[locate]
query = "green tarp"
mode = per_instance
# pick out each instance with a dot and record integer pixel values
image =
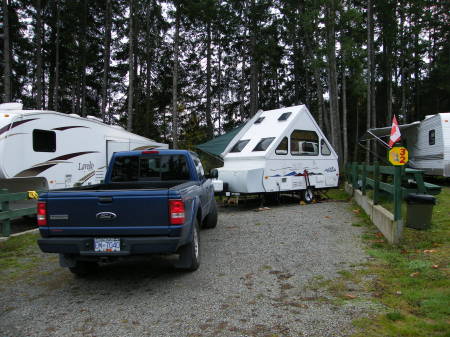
(217, 145)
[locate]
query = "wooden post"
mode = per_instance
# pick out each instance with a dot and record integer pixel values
(6, 224)
(376, 187)
(364, 180)
(397, 193)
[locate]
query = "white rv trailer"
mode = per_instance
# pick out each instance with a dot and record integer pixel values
(45, 149)
(279, 150)
(427, 141)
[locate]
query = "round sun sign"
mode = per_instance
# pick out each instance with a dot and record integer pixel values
(398, 155)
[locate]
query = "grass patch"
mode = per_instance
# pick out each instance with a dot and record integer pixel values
(17, 256)
(412, 280)
(338, 194)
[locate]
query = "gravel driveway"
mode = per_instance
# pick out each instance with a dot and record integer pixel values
(253, 281)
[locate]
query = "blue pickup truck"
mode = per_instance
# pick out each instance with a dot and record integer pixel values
(152, 202)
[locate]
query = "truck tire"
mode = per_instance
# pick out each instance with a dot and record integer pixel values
(211, 219)
(189, 259)
(308, 195)
(83, 268)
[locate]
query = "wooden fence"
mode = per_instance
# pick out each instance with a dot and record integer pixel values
(7, 213)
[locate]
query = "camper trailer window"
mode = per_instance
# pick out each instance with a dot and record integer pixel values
(284, 116)
(44, 141)
(263, 144)
(259, 120)
(282, 147)
(432, 137)
(304, 143)
(239, 146)
(324, 149)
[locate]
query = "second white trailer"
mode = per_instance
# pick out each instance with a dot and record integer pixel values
(279, 150)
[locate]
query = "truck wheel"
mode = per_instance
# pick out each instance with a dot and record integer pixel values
(190, 254)
(83, 268)
(308, 195)
(211, 219)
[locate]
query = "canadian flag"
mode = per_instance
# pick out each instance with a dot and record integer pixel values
(395, 132)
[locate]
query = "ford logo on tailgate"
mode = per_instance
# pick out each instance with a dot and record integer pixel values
(106, 216)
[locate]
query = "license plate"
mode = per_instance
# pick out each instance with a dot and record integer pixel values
(107, 245)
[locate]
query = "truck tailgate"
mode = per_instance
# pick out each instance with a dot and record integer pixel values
(105, 213)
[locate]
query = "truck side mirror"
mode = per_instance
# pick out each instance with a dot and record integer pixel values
(214, 174)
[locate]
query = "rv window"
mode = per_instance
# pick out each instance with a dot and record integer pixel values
(239, 146)
(304, 143)
(263, 144)
(324, 149)
(284, 116)
(282, 147)
(44, 141)
(150, 168)
(432, 137)
(259, 120)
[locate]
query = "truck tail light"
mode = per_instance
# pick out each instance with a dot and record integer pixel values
(176, 212)
(42, 213)
(150, 152)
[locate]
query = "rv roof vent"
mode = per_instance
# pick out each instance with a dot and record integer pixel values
(284, 116)
(259, 120)
(11, 106)
(94, 118)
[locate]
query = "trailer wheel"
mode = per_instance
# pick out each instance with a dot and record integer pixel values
(189, 259)
(308, 195)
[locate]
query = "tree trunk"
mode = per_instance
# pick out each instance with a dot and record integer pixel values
(55, 97)
(253, 62)
(219, 84)
(83, 57)
(106, 58)
(335, 127)
(39, 70)
(130, 68)
(175, 79)
(370, 68)
(6, 54)
(209, 124)
(344, 115)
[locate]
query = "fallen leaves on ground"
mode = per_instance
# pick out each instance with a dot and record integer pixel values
(415, 274)
(351, 296)
(356, 211)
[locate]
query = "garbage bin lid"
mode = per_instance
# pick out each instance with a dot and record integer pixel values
(414, 198)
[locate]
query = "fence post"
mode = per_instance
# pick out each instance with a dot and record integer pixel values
(355, 175)
(6, 224)
(397, 193)
(376, 187)
(363, 178)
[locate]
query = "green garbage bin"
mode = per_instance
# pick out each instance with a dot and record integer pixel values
(419, 210)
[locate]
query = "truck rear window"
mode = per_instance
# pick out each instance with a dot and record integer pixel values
(150, 168)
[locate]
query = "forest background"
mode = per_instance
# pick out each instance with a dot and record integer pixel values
(182, 72)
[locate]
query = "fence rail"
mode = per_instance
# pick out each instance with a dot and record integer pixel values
(397, 181)
(7, 213)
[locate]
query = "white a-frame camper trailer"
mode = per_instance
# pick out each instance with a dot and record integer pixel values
(47, 149)
(279, 150)
(428, 143)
